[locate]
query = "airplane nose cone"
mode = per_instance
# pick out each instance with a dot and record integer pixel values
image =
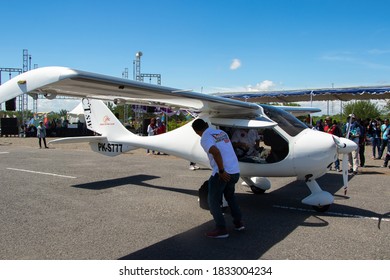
(344, 145)
(313, 152)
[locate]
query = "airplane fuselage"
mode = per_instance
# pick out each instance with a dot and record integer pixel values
(307, 152)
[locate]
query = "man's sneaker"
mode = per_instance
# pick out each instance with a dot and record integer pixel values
(194, 167)
(239, 226)
(218, 233)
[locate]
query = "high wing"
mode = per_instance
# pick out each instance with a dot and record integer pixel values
(299, 111)
(342, 94)
(62, 81)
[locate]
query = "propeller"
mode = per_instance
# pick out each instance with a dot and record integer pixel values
(344, 147)
(345, 172)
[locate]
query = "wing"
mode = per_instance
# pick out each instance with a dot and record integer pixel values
(299, 111)
(62, 81)
(342, 94)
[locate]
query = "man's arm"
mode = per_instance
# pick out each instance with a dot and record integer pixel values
(215, 152)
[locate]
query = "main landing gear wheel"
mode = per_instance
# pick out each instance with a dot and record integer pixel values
(322, 208)
(257, 190)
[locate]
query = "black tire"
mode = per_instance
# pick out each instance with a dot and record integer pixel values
(321, 209)
(257, 190)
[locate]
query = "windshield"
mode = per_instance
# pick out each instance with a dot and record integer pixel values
(285, 120)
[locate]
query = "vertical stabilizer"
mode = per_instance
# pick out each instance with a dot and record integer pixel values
(101, 120)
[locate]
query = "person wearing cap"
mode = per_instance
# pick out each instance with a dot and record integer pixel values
(319, 126)
(352, 131)
(41, 134)
(350, 120)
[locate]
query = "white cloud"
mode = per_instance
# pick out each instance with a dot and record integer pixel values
(264, 85)
(236, 63)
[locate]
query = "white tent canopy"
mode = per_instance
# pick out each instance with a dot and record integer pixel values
(77, 114)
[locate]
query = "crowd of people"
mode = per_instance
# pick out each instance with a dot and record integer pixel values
(374, 132)
(155, 127)
(54, 128)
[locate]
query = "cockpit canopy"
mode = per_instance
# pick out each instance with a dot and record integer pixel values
(285, 120)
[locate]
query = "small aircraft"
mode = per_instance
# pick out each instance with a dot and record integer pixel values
(288, 148)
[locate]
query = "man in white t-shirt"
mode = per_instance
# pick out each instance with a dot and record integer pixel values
(224, 176)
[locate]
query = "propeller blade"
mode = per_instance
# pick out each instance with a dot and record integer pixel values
(338, 143)
(344, 145)
(345, 172)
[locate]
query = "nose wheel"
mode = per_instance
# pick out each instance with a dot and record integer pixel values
(256, 190)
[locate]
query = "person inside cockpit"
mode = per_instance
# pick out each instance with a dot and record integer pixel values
(279, 146)
(246, 143)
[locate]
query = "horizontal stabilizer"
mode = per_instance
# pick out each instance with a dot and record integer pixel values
(99, 144)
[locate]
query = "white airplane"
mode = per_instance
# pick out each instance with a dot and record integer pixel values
(290, 148)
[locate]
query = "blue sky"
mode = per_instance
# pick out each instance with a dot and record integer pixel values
(207, 45)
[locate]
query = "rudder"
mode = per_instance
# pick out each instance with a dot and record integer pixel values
(101, 120)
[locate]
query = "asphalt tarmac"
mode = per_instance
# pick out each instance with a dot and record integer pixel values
(69, 203)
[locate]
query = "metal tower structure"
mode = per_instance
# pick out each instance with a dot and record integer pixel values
(138, 76)
(150, 76)
(9, 71)
(137, 67)
(23, 99)
(35, 97)
(125, 74)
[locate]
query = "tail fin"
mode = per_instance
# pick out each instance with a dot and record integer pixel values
(113, 139)
(101, 120)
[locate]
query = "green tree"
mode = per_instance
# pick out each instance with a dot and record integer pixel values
(62, 113)
(386, 109)
(27, 114)
(362, 109)
(119, 110)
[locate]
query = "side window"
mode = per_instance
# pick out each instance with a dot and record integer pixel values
(278, 146)
(257, 145)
